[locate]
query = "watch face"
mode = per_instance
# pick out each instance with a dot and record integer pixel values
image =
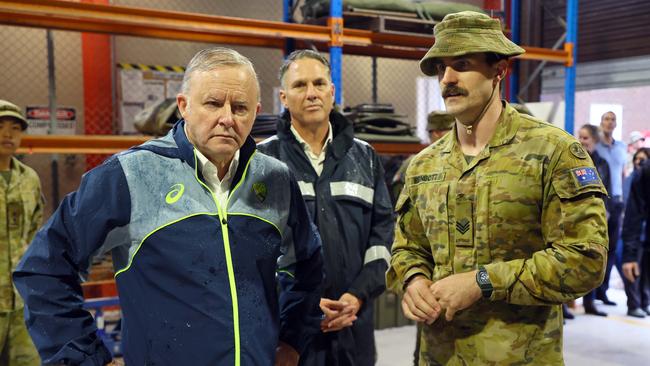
(483, 276)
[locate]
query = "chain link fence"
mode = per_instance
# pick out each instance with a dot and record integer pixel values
(25, 80)
(87, 77)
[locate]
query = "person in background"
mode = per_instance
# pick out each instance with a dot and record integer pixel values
(499, 222)
(588, 135)
(635, 142)
(216, 260)
(636, 269)
(615, 153)
(21, 211)
(438, 124)
(342, 181)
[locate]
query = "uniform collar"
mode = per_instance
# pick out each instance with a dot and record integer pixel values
(506, 129)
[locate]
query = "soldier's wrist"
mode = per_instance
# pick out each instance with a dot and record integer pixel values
(412, 279)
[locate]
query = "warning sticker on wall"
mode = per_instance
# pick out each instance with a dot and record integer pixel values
(141, 86)
(38, 118)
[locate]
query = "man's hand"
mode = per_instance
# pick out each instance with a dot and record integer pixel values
(418, 302)
(354, 303)
(631, 271)
(115, 362)
(285, 355)
(456, 292)
(338, 314)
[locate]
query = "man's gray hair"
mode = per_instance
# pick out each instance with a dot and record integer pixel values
(211, 58)
(302, 54)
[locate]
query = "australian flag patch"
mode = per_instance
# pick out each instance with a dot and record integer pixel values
(586, 176)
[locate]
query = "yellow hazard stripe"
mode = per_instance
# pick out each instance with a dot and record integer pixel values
(143, 67)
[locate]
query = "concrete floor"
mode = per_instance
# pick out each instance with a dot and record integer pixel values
(588, 340)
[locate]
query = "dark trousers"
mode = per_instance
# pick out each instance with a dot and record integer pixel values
(616, 207)
(638, 292)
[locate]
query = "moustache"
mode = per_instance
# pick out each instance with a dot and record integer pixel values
(453, 90)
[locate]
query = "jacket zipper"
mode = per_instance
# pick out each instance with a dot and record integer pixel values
(223, 221)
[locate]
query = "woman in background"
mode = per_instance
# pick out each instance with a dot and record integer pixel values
(589, 137)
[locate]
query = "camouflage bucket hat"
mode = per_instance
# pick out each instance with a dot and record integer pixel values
(467, 32)
(440, 121)
(8, 109)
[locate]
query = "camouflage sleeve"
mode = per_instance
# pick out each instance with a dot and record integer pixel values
(411, 253)
(37, 214)
(574, 228)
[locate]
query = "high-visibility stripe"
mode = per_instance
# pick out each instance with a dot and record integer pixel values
(377, 252)
(143, 67)
(132, 256)
(306, 188)
(353, 190)
(161, 68)
(223, 221)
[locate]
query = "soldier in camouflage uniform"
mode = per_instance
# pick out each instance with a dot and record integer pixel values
(21, 210)
(499, 222)
(438, 124)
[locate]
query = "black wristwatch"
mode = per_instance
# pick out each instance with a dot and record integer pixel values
(483, 281)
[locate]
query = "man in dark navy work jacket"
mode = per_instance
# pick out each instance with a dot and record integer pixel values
(342, 181)
(201, 228)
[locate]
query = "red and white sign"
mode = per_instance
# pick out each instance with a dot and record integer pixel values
(38, 118)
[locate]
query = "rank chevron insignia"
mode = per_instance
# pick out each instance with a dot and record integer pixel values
(462, 226)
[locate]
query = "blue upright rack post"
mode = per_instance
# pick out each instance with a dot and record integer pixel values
(287, 17)
(516, 38)
(336, 48)
(570, 70)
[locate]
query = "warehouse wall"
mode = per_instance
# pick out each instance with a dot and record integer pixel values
(625, 82)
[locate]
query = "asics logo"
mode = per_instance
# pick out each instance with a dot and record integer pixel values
(175, 193)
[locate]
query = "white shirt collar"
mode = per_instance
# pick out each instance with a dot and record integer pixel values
(306, 146)
(316, 161)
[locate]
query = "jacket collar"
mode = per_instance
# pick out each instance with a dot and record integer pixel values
(186, 150)
(342, 130)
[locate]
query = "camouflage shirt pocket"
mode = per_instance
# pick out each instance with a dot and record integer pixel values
(431, 200)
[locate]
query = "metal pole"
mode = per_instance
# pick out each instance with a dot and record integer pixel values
(51, 82)
(336, 49)
(374, 80)
(516, 38)
(570, 71)
(287, 16)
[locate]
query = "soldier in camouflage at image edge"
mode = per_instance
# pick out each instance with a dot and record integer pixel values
(21, 210)
(500, 221)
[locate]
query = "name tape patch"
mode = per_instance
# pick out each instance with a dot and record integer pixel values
(436, 177)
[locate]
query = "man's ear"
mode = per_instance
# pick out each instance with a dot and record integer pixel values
(258, 109)
(283, 98)
(502, 69)
(181, 102)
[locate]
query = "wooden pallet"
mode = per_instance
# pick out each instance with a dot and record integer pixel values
(382, 22)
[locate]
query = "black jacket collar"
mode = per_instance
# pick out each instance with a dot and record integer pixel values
(343, 132)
